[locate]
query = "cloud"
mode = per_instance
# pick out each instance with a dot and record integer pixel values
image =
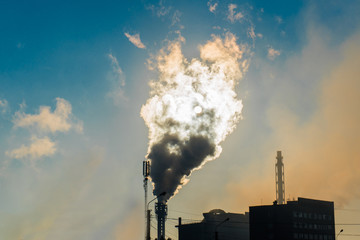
(20, 45)
(232, 15)
(116, 67)
(176, 17)
(135, 39)
(3, 106)
(38, 148)
(278, 19)
(326, 146)
(159, 10)
(272, 53)
(41, 125)
(212, 7)
(117, 79)
(251, 33)
(47, 121)
(323, 146)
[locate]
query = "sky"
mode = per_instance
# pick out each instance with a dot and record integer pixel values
(75, 76)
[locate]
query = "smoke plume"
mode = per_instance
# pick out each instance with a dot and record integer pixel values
(192, 108)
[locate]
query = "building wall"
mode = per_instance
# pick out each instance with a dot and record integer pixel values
(236, 228)
(303, 219)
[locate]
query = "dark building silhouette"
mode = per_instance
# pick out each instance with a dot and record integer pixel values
(216, 225)
(303, 219)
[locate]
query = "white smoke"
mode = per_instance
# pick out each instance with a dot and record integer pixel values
(193, 107)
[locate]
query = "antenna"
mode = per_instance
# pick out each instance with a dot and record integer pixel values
(280, 179)
(146, 174)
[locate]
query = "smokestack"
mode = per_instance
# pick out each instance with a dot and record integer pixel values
(279, 178)
(161, 212)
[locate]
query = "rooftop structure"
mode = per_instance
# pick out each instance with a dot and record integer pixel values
(217, 224)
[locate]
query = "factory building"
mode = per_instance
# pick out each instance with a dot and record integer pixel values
(217, 224)
(303, 219)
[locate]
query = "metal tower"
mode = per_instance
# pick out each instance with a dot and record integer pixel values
(279, 178)
(146, 174)
(161, 212)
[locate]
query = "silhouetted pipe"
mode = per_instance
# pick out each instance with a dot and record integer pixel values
(148, 224)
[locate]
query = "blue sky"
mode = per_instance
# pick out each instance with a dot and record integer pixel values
(72, 85)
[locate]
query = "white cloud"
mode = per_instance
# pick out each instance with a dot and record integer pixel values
(42, 124)
(135, 39)
(159, 10)
(259, 35)
(47, 121)
(232, 15)
(278, 19)
(39, 147)
(20, 45)
(3, 106)
(176, 18)
(117, 79)
(251, 33)
(272, 53)
(212, 7)
(116, 68)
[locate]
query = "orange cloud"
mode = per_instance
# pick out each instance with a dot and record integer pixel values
(321, 155)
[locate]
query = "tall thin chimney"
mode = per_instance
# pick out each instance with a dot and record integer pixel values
(279, 178)
(161, 212)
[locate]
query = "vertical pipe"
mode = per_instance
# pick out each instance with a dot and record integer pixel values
(161, 212)
(148, 216)
(279, 176)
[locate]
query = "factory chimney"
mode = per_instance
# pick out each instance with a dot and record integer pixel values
(161, 212)
(279, 178)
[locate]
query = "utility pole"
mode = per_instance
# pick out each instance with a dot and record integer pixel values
(148, 216)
